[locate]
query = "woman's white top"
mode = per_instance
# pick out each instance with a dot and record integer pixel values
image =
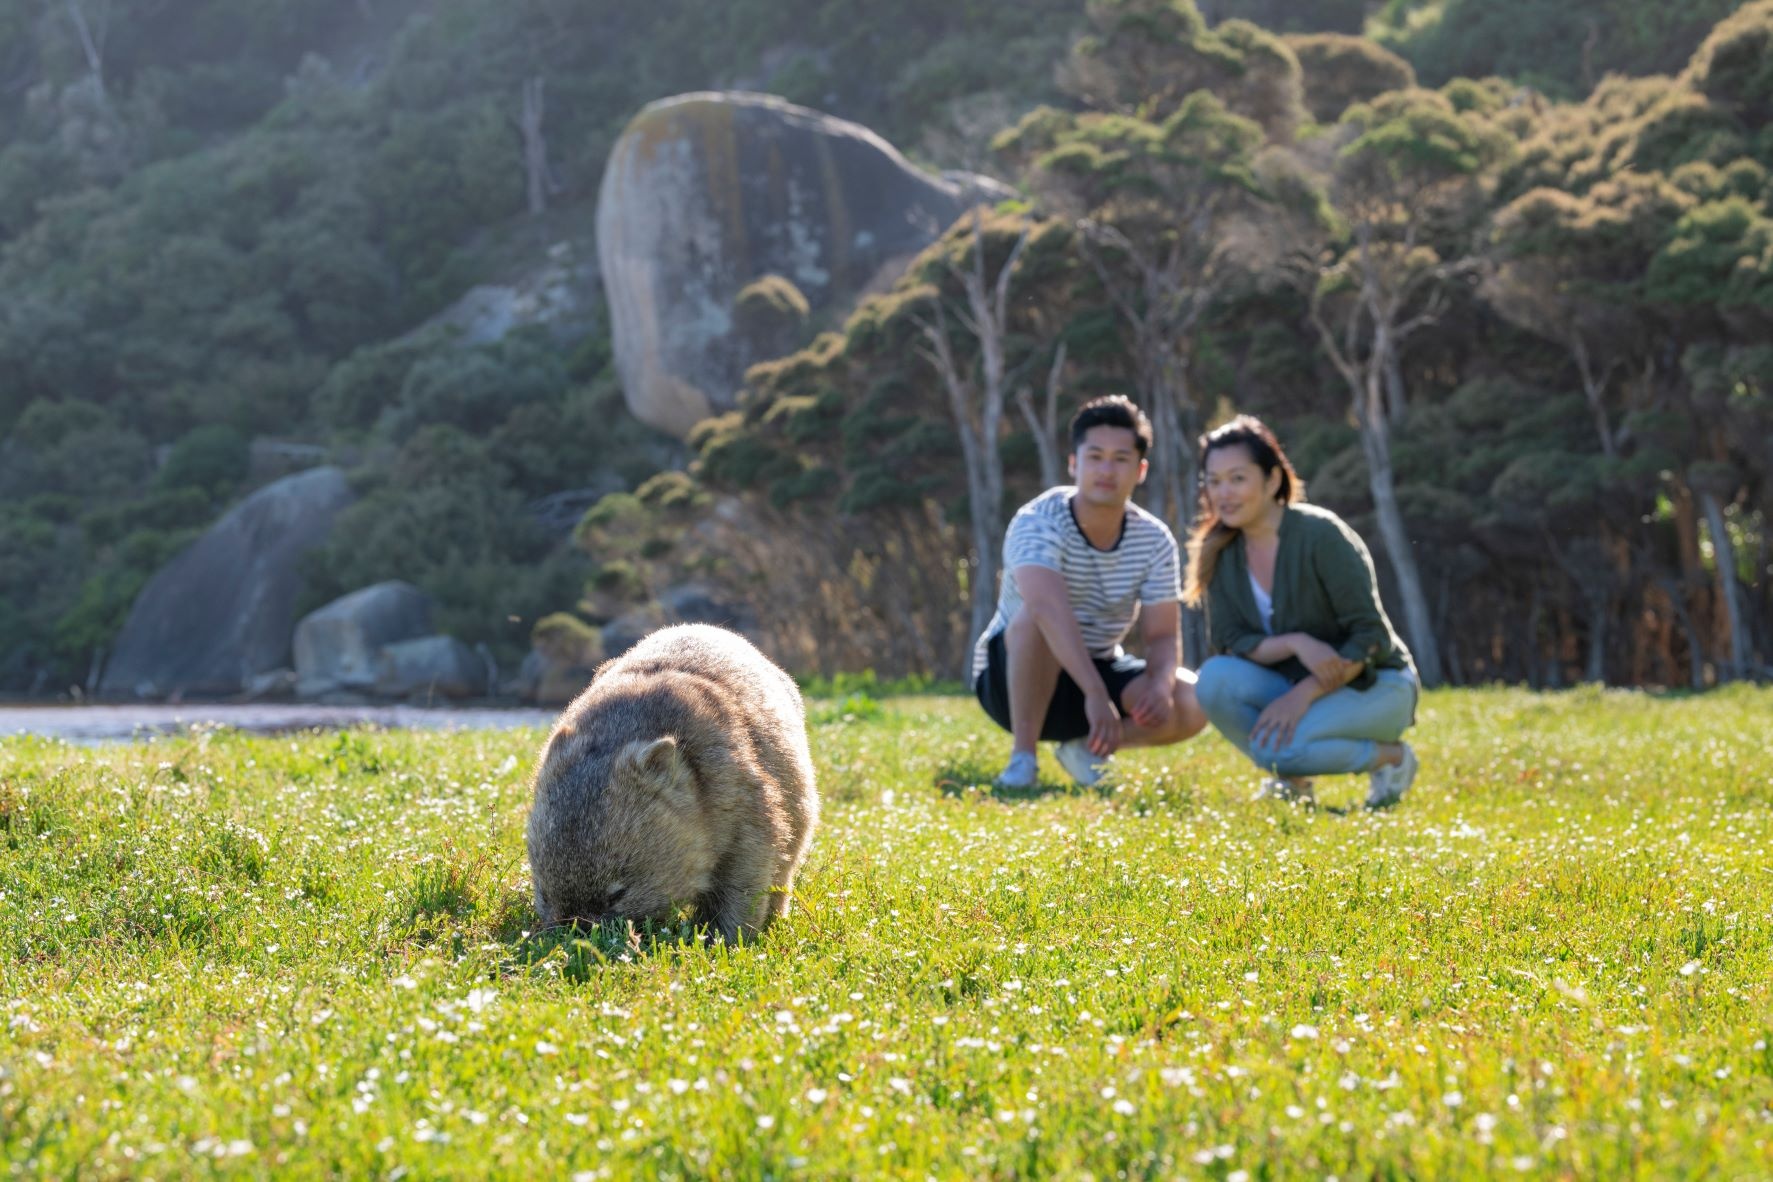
(1264, 604)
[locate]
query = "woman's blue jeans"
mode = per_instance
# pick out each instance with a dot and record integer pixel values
(1339, 734)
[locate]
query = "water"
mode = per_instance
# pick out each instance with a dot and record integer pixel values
(89, 724)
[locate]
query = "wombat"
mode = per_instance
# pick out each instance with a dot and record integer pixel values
(680, 775)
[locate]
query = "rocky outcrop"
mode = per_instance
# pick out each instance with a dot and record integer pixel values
(706, 193)
(336, 646)
(431, 667)
(221, 613)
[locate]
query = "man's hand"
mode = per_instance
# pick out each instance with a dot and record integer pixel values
(1276, 724)
(1155, 704)
(1104, 723)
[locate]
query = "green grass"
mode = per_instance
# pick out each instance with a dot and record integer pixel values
(309, 956)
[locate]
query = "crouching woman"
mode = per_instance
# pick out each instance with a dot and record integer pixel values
(1308, 678)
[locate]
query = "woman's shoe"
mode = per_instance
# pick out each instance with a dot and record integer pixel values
(1387, 785)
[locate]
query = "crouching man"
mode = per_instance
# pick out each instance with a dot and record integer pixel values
(1081, 564)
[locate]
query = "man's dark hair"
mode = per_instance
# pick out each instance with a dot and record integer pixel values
(1113, 410)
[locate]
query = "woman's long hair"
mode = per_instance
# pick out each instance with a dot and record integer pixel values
(1210, 536)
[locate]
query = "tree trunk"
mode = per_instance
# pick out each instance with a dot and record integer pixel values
(1395, 403)
(1165, 482)
(1377, 448)
(1194, 638)
(535, 147)
(1531, 648)
(1596, 667)
(1741, 660)
(1676, 590)
(1594, 389)
(1044, 426)
(92, 46)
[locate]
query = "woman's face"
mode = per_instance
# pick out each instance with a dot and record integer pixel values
(1237, 489)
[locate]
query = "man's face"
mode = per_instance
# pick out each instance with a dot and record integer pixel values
(1106, 466)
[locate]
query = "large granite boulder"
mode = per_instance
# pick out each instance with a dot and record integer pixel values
(221, 613)
(336, 646)
(705, 194)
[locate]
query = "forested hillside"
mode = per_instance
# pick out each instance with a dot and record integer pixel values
(227, 230)
(222, 222)
(1521, 343)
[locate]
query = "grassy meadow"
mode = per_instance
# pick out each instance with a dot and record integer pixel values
(310, 956)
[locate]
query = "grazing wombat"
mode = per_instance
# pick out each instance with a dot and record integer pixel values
(680, 775)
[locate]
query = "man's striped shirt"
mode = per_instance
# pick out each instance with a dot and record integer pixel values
(1106, 587)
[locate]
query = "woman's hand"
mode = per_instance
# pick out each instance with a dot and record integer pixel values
(1276, 724)
(1325, 663)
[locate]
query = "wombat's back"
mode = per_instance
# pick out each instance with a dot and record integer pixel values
(723, 657)
(750, 703)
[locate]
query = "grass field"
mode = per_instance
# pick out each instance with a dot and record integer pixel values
(309, 957)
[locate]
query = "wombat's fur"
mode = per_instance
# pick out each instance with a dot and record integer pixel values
(680, 775)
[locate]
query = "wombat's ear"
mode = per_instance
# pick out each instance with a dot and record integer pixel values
(659, 756)
(555, 751)
(656, 760)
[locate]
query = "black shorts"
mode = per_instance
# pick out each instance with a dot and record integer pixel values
(1065, 715)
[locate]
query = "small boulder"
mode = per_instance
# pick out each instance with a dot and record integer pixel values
(430, 667)
(336, 646)
(564, 655)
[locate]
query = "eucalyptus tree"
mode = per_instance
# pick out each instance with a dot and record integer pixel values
(1165, 214)
(1407, 163)
(976, 394)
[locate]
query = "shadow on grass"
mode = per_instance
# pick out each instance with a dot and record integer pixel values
(579, 949)
(971, 778)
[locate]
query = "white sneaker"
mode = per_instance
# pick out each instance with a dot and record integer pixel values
(1279, 788)
(1020, 772)
(1387, 785)
(1080, 763)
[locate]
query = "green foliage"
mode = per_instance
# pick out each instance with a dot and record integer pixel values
(1734, 65)
(1144, 57)
(359, 389)
(1563, 49)
(772, 296)
(167, 509)
(213, 459)
(1416, 138)
(475, 390)
(771, 314)
(1721, 254)
(1339, 70)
